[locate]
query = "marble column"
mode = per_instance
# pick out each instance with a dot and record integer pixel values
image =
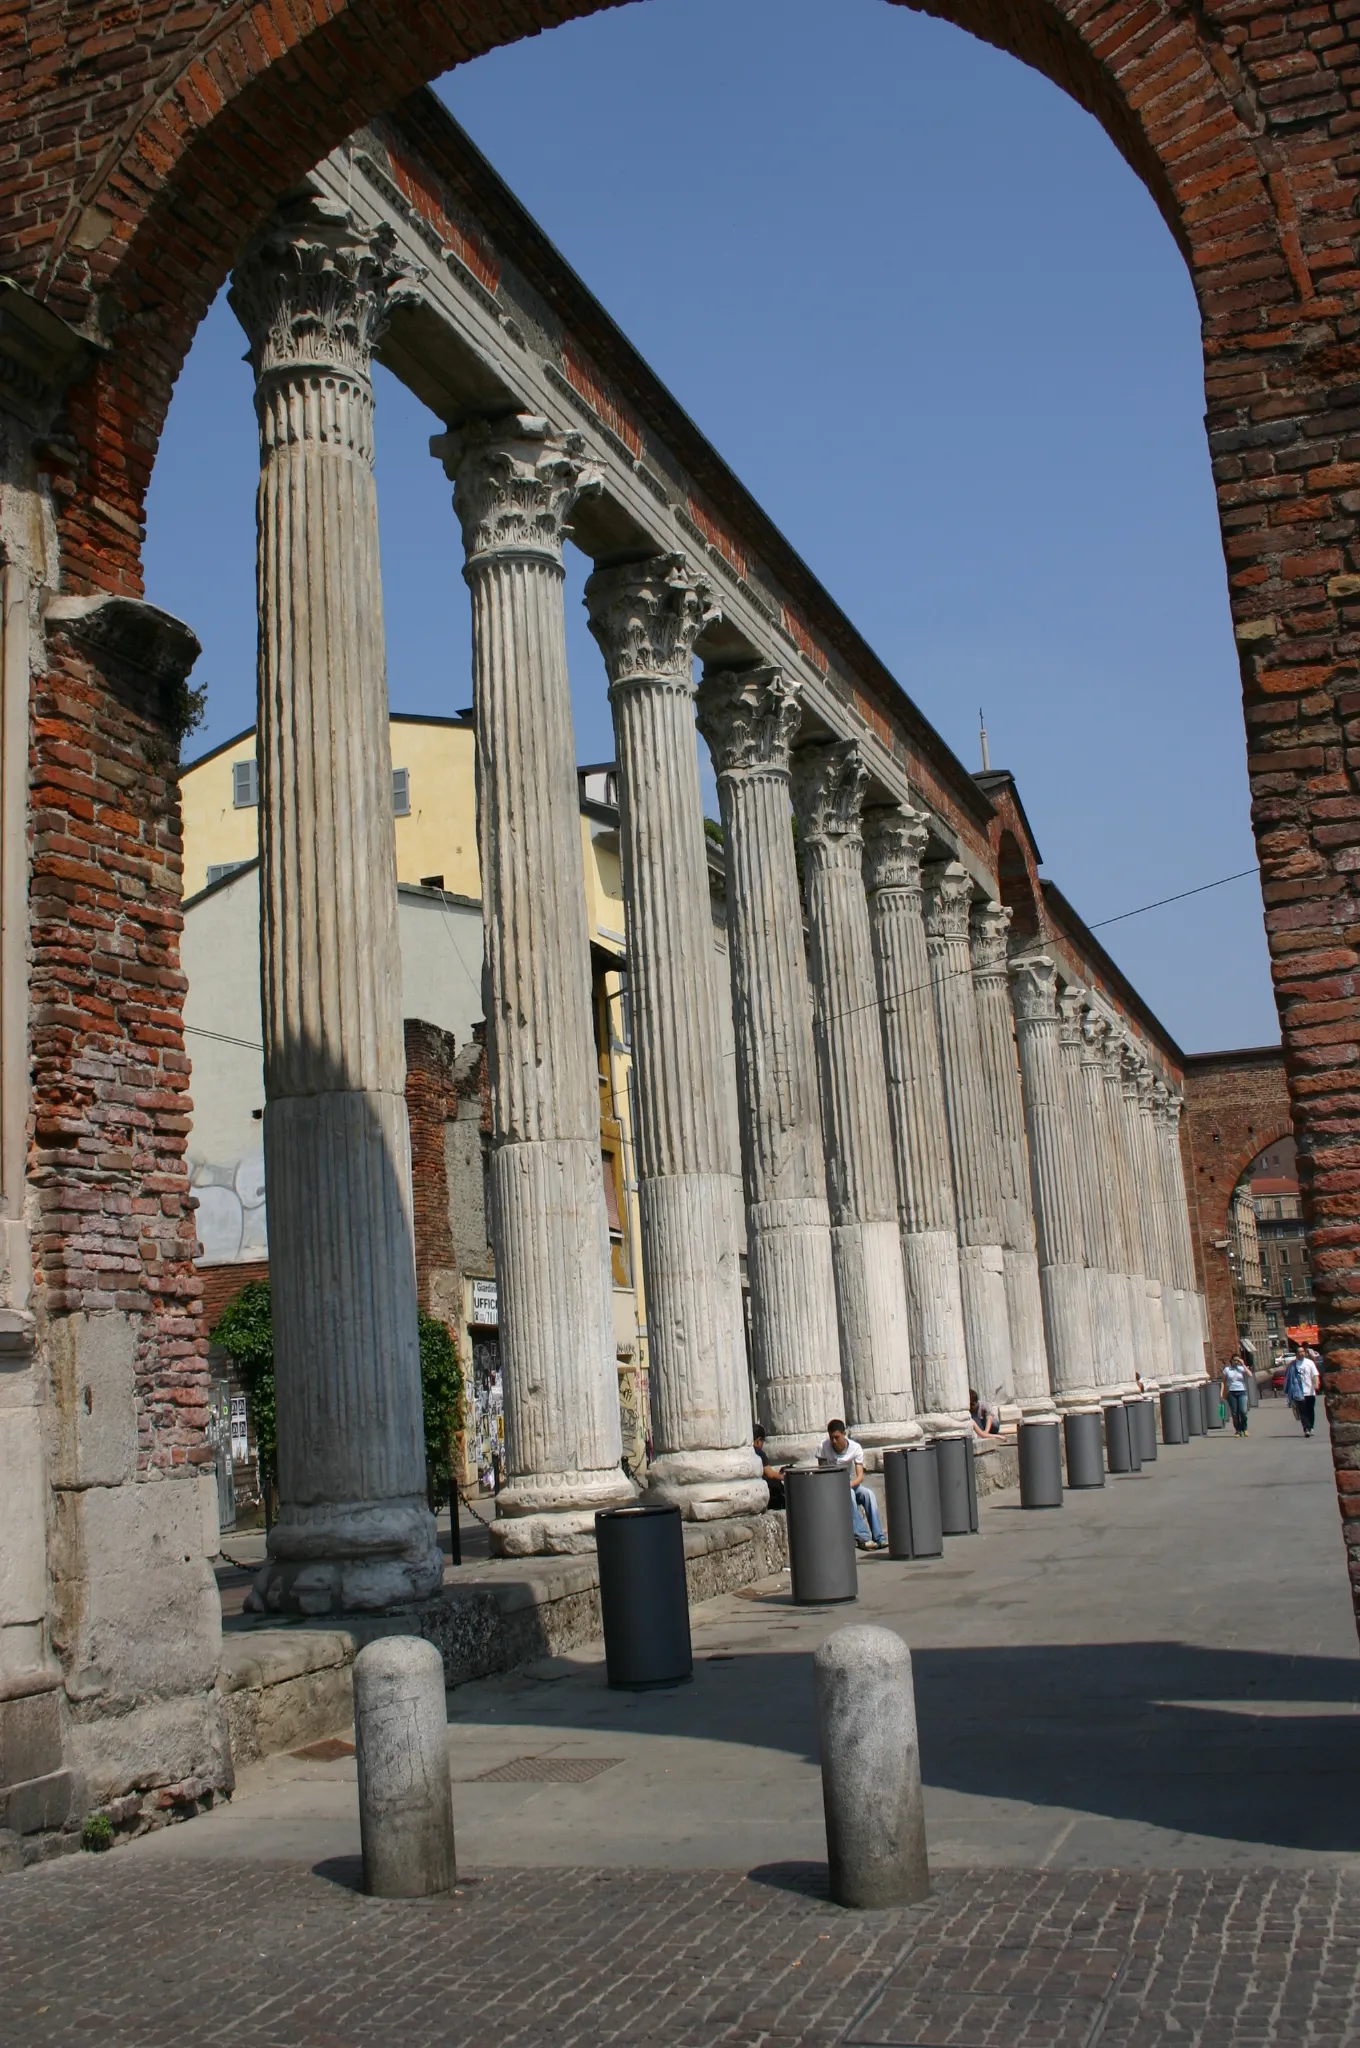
(1121, 1081)
(749, 717)
(1105, 1292)
(1165, 1120)
(1158, 1222)
(894, 841)
(828, 789)
(1196, 1316)
(353, 1530)
(1052, 1148)
(1100, 1079)
(516, 483)
(990, 924)
(646, 617)
(972, 1139)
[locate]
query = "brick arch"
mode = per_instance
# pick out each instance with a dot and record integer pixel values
(1236, 1104)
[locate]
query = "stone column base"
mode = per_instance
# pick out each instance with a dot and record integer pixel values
(709, 1485)
(553, 1515)
(355, 1557)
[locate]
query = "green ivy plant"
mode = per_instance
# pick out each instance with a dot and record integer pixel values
(246, 1333)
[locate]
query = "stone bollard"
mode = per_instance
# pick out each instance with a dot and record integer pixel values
(401, 1746)
(871, 1769)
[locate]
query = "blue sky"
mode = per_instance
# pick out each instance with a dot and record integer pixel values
(927, 313)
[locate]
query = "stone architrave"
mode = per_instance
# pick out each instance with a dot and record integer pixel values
(1125, 1295)
(353, 1530)
(516, 482)
(828, 789)
(1106, 1299)
(972, 1139)
(646, 617)
(989, 925)
(1052, 1148)
(748, 717)
(894, 841)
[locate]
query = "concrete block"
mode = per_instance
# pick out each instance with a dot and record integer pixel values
(94, 1381)
(38, 1803)
(30, 1737)
(155, 1743)
(11, 1853)
(136, 1605)
(23, 1519)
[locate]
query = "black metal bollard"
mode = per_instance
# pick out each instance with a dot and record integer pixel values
(1213, 1404)
(1040, 1465)
(1118, 1440)
(821, 1534)
(1143, 1427)
(1173, 1416)
(958, 1486)
(644, 1601)
(911, 1492)
(1194, 1409)
(1085, 1455)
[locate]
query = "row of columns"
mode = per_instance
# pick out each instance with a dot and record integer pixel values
(949, 1177)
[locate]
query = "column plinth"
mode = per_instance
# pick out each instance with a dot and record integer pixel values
(646, 617)
(1060, 1237)
(516, 483)
(895, 840)
(972, 1142)
(871, 1294)
(749, 717)
(353, 1531)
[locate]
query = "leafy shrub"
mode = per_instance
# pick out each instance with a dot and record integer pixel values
(97, 1833)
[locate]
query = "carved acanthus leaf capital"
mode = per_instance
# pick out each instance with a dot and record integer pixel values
(749, 716)
(646, 617)
(1034, 988)
(829, 781)
(990, 923)
(1070, 1002)
(1095, 1036)
(314, 289)
(949, 900)
(895, 838)
(1174, 1105)
(516, 482)
(1130, 1063)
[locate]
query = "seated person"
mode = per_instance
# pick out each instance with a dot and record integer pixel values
(986, 1421)
(773, 1475)
(839, 1448)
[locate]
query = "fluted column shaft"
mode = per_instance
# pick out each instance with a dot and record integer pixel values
(1024, 1302)
(1121, 1084)
(646, 617)
(515, 485)
(1124, 1295)
(829, 782)
(972, 1140)
(1110, 1337)
(1197, 1321)
(1184, 1310)
(1061, 1242)
(748, 718)
(895, 840)
(353, 1529)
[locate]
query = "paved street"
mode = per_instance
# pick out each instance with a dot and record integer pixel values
(1138, 1719)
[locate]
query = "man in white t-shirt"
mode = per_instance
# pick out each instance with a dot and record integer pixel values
(839, 1448)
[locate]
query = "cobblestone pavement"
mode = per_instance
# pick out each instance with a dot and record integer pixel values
(136, 1956)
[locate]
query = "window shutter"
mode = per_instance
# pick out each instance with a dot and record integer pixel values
(245, 780)
(401, 792)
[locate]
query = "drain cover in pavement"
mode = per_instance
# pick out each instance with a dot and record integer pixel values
(557, 1770)
(328, 1751)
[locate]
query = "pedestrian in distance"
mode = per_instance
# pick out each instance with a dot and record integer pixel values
(1235, 1392)
(1301, 1382)
(839, 1448)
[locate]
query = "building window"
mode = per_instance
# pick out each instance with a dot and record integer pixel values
(245, 784)
(217, 869)
(401, 792)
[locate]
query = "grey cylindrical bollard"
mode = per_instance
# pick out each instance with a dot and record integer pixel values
(911, 1494)
(1118, 1446)
(1173, 1416)
(644, 1600)
(1194, 1409)
(1213, 1404)
(821, 1534)
(871, 1769)
(401, 1747)
(958, 1485)
(1085, 1449)
(1040, 1465)
(1143, 1427)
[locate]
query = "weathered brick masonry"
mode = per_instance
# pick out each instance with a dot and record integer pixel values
(1236, 1103)
(142, 139)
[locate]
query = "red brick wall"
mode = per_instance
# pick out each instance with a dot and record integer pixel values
(430, 1103)
(1236, 1103)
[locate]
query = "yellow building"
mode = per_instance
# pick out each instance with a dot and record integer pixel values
(434, 807)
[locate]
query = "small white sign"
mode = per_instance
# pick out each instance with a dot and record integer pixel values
(486, 1304)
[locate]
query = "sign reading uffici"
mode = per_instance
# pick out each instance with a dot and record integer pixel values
(485, 1304)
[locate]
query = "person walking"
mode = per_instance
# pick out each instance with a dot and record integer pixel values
(1235, 1392)
(1301, 1382)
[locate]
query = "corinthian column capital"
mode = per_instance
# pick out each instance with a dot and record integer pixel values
(646, 617)
(749, 716)
(949, 901)
(829, 781)
(990, 923)
(1095, 1032)
(516, 483)
(1034, 988)
(1070, 1000)
(895, 838)
(314, 287)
